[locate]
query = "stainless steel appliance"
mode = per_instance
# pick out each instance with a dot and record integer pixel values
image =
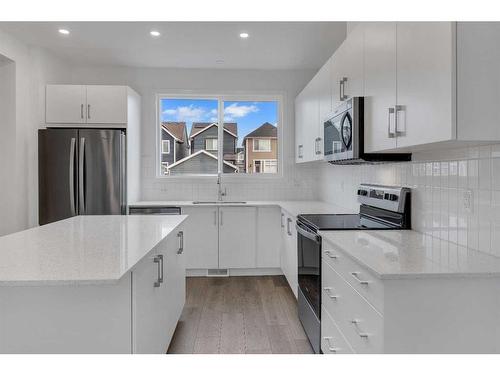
(154, 210)
(344, 136)
(382, 207)
(81, 172)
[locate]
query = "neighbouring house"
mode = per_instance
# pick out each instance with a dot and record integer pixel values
(174, 143)
(203, 136)
(201, 162)
(261, 149)
(240, 159)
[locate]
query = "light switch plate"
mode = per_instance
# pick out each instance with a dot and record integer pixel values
(467, 201)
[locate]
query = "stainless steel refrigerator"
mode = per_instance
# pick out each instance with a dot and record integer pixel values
(81, 172)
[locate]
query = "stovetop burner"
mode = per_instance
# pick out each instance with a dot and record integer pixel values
(333, 221)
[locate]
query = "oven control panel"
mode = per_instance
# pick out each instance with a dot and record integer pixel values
(390, 198)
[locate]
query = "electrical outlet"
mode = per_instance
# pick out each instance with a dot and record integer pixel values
(467, 201)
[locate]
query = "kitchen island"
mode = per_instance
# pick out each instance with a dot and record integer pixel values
(92, 284)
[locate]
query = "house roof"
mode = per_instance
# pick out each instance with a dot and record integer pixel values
(196, 154)
(175, 129)
(266, 130)
(198, 127)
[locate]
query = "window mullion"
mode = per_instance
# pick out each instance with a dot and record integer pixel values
(220, 135)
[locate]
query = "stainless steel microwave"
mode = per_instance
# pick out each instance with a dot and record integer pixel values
(344, 137)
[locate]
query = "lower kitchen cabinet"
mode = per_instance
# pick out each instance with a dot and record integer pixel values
(288, 250)
(363, 313)
(203, 246)
(268, 237)
(237, 240)
(158, 295)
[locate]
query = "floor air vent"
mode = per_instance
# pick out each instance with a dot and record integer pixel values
(223, 272)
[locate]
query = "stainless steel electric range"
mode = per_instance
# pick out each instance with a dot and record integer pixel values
(381, 208)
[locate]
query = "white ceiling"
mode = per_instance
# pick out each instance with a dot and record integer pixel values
(271, 45)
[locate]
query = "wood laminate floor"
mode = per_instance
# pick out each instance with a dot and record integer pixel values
(239, 315)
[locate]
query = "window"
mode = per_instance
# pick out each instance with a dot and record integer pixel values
(262, 145)
(211, 144)
(250, 128)
(265, 166)
(165, 146)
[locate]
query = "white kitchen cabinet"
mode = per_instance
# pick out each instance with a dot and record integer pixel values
(324, 92)
(306, 122)
(425, 88)
(300, 120)
(106, 104)
(268, 237)
(288, 256)
(380, 85)
(203, 248)
(65, 104)
(237, 242)
(159, 283)
(88, 104)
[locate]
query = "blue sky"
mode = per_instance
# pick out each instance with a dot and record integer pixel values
(249, 115)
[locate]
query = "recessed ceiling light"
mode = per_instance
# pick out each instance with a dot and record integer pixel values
(155, 33)
(244, 35)
(64, 31)
(219, 61)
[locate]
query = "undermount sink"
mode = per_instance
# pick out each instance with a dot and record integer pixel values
(219, 202)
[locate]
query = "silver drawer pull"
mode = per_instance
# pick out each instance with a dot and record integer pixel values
(356, 276)
(328, 290)
(355, 323)
(331, 348)
(330, 254)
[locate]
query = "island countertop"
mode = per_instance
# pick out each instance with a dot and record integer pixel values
(81, 249)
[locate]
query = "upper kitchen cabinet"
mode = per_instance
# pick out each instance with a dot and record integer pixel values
(306, 122)
(347, 68)
(425, 90)
(98, 105)
(380, 85)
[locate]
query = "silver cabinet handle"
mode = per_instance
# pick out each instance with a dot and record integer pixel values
(181, 242)
(390, 132)
(344, 96)
(72, 176)
(331, 348)
(81, 176)
(159, 261)
(328, 291)
(300, 151)
(355, 323)
(288, 226)
(330, 254)
(81, 111)
(341, 95)
(319, 152)
(400, 126)
(282, 220)
(88, 111)
(356, 276)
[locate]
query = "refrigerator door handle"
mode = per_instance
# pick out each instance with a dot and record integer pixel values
(81, 183)
(72, 176)
(123, 171)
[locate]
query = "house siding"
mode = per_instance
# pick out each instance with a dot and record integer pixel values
(198, 142)
(251, 155)
(200, 164)
(169, 158)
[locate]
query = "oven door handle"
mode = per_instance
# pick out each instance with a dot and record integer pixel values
(309, 235)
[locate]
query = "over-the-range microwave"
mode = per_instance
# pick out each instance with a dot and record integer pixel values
(344, 136)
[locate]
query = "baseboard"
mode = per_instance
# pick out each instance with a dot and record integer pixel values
(238, 272)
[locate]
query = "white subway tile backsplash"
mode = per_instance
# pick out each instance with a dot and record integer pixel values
(438, 180)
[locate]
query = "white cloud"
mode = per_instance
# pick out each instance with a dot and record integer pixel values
(237, 111)
(189, 113)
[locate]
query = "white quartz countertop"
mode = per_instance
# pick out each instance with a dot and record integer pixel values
(294, 208)
(81, 249)
(393, 254)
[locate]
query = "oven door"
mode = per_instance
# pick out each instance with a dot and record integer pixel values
(309, 266)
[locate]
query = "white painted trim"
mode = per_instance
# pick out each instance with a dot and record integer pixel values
(262, 139)
(262, 165)
(168, 143)
(211, 139)
(208, 127)
(196, 154)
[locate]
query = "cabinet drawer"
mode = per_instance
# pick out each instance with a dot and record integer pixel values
(332, 341)
(358, 321)
(357, 276)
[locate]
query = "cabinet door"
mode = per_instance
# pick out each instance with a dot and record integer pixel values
(65, 104)
(308, 115)
(237, 237)
(202, 242)
(425, 69)
(335, 78)
(268, 237)
(174, 283)
(350, 60)
(147, 307)
(106, 104)
(325, 105)
(380, 86)
(289, 256)
(300, 119)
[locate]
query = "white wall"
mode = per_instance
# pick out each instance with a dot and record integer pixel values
(295, 184)
(34, 67)
(438, 180)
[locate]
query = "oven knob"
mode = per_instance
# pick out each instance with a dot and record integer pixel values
(362, 192)
(390, 197)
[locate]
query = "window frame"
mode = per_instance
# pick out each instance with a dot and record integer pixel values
(216, 144)
(262, 139)
(221, 98)
(166, 141)
(262, 165)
